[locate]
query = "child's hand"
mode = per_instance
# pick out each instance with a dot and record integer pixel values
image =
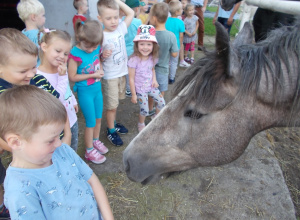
(155, 84)
(134, 98)
(106, 53)
(76, 108)
(98, 74)
(62, 69)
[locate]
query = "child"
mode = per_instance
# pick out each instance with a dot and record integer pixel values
(32, 13)
(85, 70)
(143, 16)
(191, 27)
(82, 7)
(45, 179)
(142, 74)
(18, 67)
(226, 18)
(176, 26)
(55, 48)
(184, 4)
(114, 66)
(167, 44)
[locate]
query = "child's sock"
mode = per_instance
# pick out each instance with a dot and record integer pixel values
(112, 130)
(88, 150)
(95, 139)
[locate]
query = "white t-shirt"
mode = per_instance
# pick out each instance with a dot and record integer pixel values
(115, 66)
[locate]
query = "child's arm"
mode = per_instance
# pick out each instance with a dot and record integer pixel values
(154, 81)
(131, 72)
(74, 77)
(127, 11)
(235, 9)
(174, 54)
(4, 146)
(101, 197)
(196, 28)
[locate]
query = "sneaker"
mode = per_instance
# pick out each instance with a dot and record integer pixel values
(202, 48)
(171, 81)
(183, 64)
(121, 128)
(141, 126)
(99, 146)
(128, 93)
(114, 138)
(94, 156)
(152, 112)
(192, 60)
(4, 213)
(187, 59)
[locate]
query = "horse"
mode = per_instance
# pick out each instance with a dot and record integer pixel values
(264, 20)
(225, 99)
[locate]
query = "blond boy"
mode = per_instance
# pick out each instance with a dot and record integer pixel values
(46, 178)
(115, 63)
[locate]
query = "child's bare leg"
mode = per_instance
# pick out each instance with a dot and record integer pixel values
(111, 117)
(97, 128)
(88, 137)
(150, 103)
(192, 54)
(142, 119)
(181, 54)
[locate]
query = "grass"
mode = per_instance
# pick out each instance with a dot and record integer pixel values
(211, 30)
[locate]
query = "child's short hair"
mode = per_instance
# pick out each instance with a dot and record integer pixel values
(160, 11)
(50, 35)
(77, 3)
(103, 4)
(174, 6)
(14, 41)
(23, 109)
(187, 7)
(28, 7)
(89, 31)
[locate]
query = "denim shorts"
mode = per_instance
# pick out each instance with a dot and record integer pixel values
(163, 81)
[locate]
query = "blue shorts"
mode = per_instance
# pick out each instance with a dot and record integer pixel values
(163, 81)
(90, 100)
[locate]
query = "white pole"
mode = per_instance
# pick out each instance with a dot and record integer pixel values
(288, 7)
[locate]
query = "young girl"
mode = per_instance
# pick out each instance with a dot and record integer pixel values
(191, 27)
(142, 77)
(143, 16)
(55, 48)
(85, 70)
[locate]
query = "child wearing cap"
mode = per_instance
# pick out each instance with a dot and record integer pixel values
(142, 78)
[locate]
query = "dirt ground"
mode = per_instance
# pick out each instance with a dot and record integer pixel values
(133, 201)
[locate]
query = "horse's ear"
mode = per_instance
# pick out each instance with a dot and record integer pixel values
(245, 36)
(222, 47)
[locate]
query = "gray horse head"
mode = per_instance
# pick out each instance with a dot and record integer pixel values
(226, 98)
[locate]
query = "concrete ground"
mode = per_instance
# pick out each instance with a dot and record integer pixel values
(252, 187)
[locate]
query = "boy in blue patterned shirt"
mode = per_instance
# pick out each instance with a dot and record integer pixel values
(46, 179)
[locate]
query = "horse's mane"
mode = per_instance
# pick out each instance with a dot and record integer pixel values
(272, 54)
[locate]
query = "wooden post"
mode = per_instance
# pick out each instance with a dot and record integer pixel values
(289, 7)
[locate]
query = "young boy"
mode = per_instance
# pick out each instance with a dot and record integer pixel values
(18, 67)
(82, 7)
(176, 26)
(167, 44)
(114, 65)
(32, 13)
(46, 179)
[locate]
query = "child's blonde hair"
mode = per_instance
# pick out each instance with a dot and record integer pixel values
(50, 35)
(187, 7)
(27, 7)
(174, 6)
(160, 11)
(104, 4)
(89, 31)
(23, 109)
(14, 41)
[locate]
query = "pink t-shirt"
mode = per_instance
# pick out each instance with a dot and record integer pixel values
(67, 98)
(143, 73)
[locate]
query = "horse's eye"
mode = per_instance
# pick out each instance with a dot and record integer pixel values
(193, 114)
